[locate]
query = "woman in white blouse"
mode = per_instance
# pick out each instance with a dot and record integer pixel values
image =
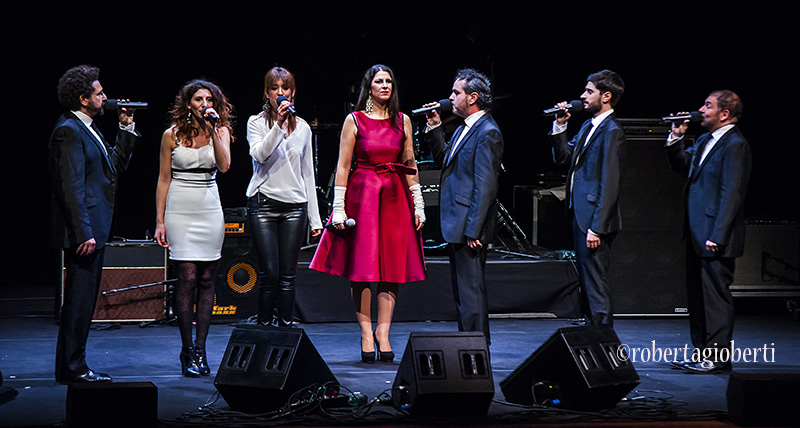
(282, 200)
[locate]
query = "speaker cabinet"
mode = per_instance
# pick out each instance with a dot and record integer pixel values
(647, 268)
(445, 374)
(132, 284)
(263, 366)
(577, 368)
(763, 399)
(115, 404)
(236, 282)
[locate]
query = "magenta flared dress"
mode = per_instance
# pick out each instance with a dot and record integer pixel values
(383, 246)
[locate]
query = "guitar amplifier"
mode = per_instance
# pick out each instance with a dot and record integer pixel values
(132, 285)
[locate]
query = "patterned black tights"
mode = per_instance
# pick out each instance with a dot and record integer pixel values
(194, 279)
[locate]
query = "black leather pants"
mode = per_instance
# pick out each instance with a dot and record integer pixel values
(278, 230)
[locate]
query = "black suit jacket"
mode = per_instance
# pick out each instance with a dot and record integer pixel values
(715, 191)
(84, 181)
(595, 173)
(470, 180)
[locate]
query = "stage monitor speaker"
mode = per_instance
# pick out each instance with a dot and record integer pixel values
(114, 404)
(577, 368)
(132, 284)
(264, 366)
(445, 374)
(236, 282)
(647, 268)
(763, 399)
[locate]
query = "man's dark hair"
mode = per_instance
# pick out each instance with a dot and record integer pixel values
(475, 81)
(728, 100)
(75, 82)
(608, 81)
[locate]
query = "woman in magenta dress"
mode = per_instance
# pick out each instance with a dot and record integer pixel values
(383, 196)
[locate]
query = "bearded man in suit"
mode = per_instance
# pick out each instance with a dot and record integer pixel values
(83, 171)
(718, 166)
(471, 165)
(595, 157)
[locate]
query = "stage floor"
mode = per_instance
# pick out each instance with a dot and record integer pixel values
(133, 354)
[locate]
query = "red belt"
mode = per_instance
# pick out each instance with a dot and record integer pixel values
(383, 168)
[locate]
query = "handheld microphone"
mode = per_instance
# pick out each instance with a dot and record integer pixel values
(347, 224)
(693, 117)
(281, 99)
(442, 105)
(112, 104)
(574, 106)
(211, 116)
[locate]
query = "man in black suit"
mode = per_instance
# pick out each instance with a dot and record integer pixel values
(83, 171)
(468, 193)
(719, 166)
(595, 157)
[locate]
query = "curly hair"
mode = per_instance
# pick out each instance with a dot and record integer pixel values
(477, 82)
(76, 82)
(180, 108)
(366, 87)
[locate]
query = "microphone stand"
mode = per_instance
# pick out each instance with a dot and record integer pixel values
(169, 315)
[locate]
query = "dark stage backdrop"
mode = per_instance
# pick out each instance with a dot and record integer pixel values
(536, 53)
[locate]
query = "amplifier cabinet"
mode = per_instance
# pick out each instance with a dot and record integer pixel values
(132, 286)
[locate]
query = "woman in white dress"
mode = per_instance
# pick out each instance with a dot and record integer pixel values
(282, 200)
(189, 218)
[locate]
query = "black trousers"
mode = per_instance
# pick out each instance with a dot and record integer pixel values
(467, 267)
(81, 288)
(593, 265)
(278, 230)
(711, 311)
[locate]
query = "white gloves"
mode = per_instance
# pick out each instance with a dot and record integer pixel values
(338, 215)
(419, 203)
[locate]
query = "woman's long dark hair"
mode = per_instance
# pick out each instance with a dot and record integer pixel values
(393, 106)
(180, 109)
(273, 75)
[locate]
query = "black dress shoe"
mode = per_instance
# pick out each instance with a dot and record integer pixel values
(679, 365)
(707, 367)
(90, 376)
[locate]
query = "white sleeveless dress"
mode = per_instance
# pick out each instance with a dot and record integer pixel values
(193, 218)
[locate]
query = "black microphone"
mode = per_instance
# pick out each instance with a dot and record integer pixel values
(347, 224)
(211, 116)
(442, 105)
(693, 117)
(114, 104)
(281, 99)
(574, 106)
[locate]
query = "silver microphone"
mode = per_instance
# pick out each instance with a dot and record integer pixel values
(693, 117)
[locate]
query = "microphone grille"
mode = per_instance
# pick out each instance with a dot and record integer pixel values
(575, 106)
(445, 104)
(110, 104)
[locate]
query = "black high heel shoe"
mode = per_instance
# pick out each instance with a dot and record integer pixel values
(201, 361)
(367, 357)
(383, 356)
(188, 364)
